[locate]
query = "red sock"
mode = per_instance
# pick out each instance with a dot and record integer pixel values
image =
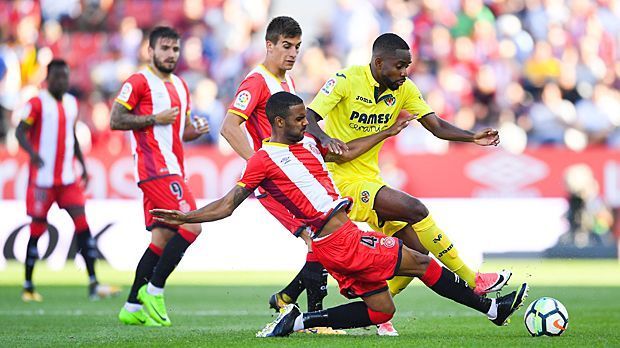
(80, 224)
(155, 249)
(379, 317)
(187, 235)
(37, 228)
(432, 274)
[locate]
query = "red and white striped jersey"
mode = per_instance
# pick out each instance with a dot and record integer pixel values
(157, 149)
(52, 135)
(297, 177)
(251, 98)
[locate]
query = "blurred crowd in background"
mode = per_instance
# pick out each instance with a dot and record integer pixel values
(545, 72)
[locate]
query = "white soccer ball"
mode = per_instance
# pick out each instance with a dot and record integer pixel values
(546, 316)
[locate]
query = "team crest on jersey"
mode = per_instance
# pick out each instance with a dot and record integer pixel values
(312, 149)
(390, 101)
(388, 242)
(365, 196)
(328, 87)
(243, 100)
(125, 92)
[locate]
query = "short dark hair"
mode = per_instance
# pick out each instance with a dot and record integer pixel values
(160, 32)
(56, 63)
(388, 42)
(279, 104)
(283, 25)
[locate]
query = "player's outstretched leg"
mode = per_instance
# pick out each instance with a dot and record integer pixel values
(394, 205)
(37, 228)
(350, 315)
(449, 285)
(440, 245)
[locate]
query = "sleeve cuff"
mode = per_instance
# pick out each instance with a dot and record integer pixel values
(129, 107)
(238, 113)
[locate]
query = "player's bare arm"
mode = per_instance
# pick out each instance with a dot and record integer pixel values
(22, 139)
(359, 146)
(334, 145)
(235, 135)
(80, 157)
(213, 211)
(445, 130)
(193, 130)
(121, 118)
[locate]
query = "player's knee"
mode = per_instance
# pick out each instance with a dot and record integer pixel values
(38, 227)
(417, 212)
(160, 236)
(416, 263)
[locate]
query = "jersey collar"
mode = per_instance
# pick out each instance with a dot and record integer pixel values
(169, 79)
(267, 141)
(369, 77)
(372, 82)
(262, 66)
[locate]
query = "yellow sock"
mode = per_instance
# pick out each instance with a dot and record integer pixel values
(438, 243)
(398, 284)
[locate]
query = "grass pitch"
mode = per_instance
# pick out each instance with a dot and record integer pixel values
(226, 309)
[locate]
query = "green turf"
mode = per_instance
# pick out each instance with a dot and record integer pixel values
(226, 309)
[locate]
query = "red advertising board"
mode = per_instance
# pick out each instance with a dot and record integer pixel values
(464, 171)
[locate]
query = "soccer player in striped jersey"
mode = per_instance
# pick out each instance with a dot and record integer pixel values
(155, 105)
(282, 41)
(291, 166)
(47, 133)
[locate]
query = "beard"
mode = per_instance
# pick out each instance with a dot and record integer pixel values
(295, 137)
(161, 67)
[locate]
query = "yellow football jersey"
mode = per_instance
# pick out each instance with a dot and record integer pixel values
(347, 104)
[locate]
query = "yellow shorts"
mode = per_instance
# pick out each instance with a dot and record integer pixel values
(363, 193)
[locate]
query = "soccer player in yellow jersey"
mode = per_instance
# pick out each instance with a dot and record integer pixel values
(362, 100)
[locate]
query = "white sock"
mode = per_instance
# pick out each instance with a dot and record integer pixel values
(492, 313)
(299, 323)
(132, 307)
(153, 290)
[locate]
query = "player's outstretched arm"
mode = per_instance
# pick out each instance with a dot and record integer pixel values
(22, 140)
(445, 130)
(360, 146)
(334, 145)
(121, 118)
(213, 211)
(235, 136)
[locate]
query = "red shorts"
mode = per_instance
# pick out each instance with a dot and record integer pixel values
(275, 208)
(39, 200)
(360, 261)
(168, 192)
